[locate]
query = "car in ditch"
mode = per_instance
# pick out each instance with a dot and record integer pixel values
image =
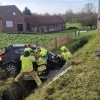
(10, 60)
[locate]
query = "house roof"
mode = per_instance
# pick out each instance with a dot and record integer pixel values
(39, 20)
(5, 9)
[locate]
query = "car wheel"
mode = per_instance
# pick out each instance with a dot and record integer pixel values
(11, 70)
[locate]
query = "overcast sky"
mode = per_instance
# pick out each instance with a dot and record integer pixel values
(50, 6)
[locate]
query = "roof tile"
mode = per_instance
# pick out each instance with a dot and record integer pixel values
(39, 20)
(5, 9)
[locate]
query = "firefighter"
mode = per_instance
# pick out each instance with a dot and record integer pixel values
(28, 49)
(35, 66)
(66, 54)
(39, 50)
(42, 63)
(27, 67)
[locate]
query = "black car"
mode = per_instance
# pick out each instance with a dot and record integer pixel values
(10, 60)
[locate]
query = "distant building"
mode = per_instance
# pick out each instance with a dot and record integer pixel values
(42, 24)
(12, 20)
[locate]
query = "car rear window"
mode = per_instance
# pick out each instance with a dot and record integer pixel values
(21, 50)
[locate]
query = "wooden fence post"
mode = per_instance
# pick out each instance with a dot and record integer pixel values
(55, 42)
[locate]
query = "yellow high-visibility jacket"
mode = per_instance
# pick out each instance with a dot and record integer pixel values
(42, 62)
(27, 63)
(66, 55)
(37, 54)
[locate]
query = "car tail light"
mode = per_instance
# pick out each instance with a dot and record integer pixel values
(29, 45)
(3, 56)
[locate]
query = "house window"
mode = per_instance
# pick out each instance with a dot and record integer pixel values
(9, 23)
(14, 13)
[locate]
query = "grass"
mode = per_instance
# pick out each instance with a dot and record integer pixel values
(82, 82)
(6, 39)
(78, 25)
(71, 30)
(2, 87)
(88, 34)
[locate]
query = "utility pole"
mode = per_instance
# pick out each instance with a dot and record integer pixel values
(98, 19)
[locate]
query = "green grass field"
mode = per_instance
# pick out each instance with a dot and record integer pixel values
(42, 39)
(82, 82)
(78, 25)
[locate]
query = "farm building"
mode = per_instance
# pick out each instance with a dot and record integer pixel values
(12, 20)
(41, 24)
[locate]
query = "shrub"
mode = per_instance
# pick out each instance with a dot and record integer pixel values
(70, 28)
(78, 44)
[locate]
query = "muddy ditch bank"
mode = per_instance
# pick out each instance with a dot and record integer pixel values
(19, 91)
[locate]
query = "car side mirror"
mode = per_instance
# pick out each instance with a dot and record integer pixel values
(53, 57)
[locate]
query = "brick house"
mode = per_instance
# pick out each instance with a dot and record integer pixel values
(42, 24)
(11, 19)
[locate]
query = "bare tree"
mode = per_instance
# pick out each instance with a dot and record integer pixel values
(88, 16)
(47, 14)
(69, 15)
(35, 14)
(89, 7)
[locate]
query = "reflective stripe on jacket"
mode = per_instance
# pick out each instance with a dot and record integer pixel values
(42, 62)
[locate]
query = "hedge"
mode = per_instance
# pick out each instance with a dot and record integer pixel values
(78, 44)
